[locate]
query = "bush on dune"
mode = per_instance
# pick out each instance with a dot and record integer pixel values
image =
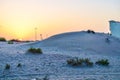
(19, 65)
(86, 62)
(10, 42)
(2, 39)
(103, 62)
(35, 50)
(91, 31)
(79, 62)
(7, 66)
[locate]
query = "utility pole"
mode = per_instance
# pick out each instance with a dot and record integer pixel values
(35, 34)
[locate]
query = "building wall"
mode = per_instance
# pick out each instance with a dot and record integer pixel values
(115, 28)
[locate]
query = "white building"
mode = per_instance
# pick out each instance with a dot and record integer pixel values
(115, 28)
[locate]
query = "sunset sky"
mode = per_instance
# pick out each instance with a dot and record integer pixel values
(18, 18)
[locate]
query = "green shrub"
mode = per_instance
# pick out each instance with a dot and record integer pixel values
(91, 31)
(10, 42)
(7, 66)
(2, 39)
(79, 62)
(103, 62)
(88, 62)
(35, 50)
(19, 65)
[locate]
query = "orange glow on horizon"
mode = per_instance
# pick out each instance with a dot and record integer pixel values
(18, 18)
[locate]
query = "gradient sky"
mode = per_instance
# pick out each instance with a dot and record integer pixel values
(18, 18)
